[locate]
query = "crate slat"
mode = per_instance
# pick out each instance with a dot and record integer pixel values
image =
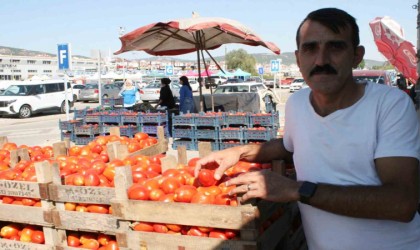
(73, 220)
(26, 214)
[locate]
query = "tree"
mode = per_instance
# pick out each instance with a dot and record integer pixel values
(361, 64)
(241, 59)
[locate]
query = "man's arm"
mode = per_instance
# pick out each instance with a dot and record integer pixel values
(396, 199)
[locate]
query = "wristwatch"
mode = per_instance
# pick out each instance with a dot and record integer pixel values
(306, 191)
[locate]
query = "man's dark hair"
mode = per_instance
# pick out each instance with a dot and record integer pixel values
(165, 81)
(334, 19)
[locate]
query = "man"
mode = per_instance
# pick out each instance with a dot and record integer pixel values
(353, 146)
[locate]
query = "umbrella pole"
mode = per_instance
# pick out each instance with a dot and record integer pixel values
(199, 83)
(211, 90)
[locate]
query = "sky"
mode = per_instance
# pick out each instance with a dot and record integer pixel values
(95, 25)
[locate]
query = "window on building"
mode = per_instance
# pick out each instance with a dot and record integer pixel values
(31, 61)
(16, 70)
(46, 62)
(47, 71)
(15, 61)
(32, 71)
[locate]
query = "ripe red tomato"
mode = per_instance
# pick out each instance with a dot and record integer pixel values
(218, 234)
(73, 240)
(185, 193)
(104, 239)
(98, 208)
(193, 161)
(91, 179)
(38, 237)
(160, 228)
(156, 194)
(167, 198)
(112, 245)
(202, 198)
(138, 176)
(194, 231)
(169, 185)
(230, 234)
(9, 231)
(138, 192)
(222, 199)
(144, 227)
(174, 227)
(206, 178)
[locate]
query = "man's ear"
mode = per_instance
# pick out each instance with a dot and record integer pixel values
(297, 57)
(358, 56)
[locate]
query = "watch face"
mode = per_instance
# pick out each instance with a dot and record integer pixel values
(306, 191)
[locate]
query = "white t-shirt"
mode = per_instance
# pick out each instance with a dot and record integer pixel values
(340, 149)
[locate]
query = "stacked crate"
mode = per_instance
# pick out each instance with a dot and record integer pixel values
(150, 121)
(183, 129)
(207, 128)
(29, 215)
(67, 128)
(232, 134)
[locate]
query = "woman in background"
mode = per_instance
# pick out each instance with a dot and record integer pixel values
(129, 94)
(186, 103)
(166, 99)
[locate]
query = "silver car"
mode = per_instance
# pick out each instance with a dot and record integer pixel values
(151, 92)
(91, 92)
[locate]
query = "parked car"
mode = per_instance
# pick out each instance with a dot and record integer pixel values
(91, 92)
(140, 84)
(152, 91)
(194, 85)
(296, 85)
(270, 84)
(376, 76)
(28, 97)
(76, 91)
(214, 81)
(268, 99)
(234, 80)
(285, 83)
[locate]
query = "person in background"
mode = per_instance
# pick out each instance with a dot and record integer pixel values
(186, 102)
(130, 94)
(355, 147)
(166, 98)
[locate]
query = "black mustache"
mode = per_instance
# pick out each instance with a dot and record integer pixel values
(327, 69)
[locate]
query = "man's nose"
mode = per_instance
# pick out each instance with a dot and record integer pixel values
(322, 56)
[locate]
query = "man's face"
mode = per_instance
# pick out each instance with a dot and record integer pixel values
(326, 59)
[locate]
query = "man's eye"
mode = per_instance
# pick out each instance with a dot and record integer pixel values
(308, 47)
(338, 46)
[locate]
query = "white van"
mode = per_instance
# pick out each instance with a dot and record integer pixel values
(28, 97)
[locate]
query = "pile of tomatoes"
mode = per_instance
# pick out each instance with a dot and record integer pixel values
(91, 241)
(24, 233)
(90, 208)
(226, 234)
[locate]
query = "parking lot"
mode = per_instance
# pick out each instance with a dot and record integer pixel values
(42, 129)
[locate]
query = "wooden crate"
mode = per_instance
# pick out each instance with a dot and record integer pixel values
(51, 239)
(72, 220)
(118, 151)
(245, 218)
(39, 190)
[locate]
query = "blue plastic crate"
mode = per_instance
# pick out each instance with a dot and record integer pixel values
(152, 129)
(209, 120)
(183, 133)
(225, 145)
(183, 120)
(90, 130)
(129, 131)
(264, 135)
(68, 135)
(107, 118)
(78, 140)
(112, 101)
(92, 118)
(237, 118)
(79, 113)
(189, 144)
(158, 118)
(132, 118)
(69, 125)
(269, 119)
(232, 133)
(207, 133)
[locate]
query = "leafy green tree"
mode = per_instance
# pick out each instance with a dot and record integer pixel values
(241, 59)
(361, 64)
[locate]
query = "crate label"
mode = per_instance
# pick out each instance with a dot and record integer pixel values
(88, 194)
(13, 245)
(17, 188)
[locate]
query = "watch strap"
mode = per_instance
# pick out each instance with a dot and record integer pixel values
(306, 191)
